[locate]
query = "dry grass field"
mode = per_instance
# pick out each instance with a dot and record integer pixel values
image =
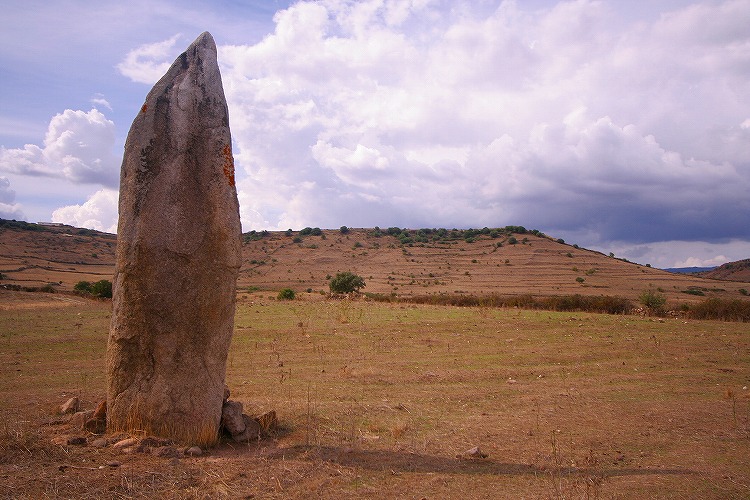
(384, 400)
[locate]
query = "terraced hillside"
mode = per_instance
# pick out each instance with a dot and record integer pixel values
(506, 261)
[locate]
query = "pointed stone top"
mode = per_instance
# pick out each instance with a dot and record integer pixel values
(204, 40)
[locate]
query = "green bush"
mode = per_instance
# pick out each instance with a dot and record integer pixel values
(344, 230)
(286, 294)
(346, 282)
(102, 288)
(653, 300)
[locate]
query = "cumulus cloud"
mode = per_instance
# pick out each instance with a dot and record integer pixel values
(147, 63)
(8, 208)
(440, 114)
(77, 147)
(98, 212)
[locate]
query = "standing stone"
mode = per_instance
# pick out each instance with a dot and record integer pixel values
(178, 256)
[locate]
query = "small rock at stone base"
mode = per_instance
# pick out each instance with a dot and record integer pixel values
(231, 418)
(80, 418)
(101, 411)
(252, 430)
(226, 394)
(124, 443)
(77, 441)
(474, 452)
(194, 451)
(70, 406)
(99, 443)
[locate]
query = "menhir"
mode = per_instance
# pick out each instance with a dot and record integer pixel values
(178, 256)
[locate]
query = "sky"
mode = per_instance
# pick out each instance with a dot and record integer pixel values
(622, 127)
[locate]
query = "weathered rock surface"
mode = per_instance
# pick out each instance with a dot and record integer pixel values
(241, 427)
(252, 430)
(79, 419)
(70, 406)
(193, 451)
(178, 256)
(232, 419)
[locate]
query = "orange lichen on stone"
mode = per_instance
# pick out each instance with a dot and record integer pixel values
(228, 164)
(144, 108)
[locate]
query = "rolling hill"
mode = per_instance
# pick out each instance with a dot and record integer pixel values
(505, 261)
(732, 271)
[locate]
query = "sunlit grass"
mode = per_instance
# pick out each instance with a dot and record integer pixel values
(636, 394)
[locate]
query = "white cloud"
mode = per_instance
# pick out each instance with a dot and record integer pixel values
(679, 253)
(98, 212)
(148, 63)
(8, 208)
(98, 99)
(77, 147)
(563, 119)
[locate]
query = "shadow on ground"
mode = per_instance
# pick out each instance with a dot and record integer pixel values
(399, 461)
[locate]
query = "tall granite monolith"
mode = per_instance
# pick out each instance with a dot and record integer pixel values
(178, 256)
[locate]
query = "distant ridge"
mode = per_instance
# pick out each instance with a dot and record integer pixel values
(733, 271)
(689, 270)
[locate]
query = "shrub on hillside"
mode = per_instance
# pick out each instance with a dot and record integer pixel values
(600, 304)
(653, 300)
(286, 294)
(102, 288)
(722, 309)
(346, 282)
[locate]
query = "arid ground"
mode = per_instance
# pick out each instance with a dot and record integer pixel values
(393, 400)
